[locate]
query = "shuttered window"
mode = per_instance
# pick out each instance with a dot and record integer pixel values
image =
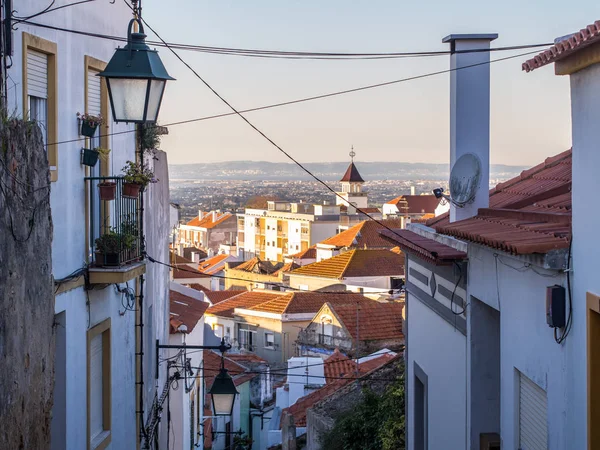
(94, 105)
(533, 406)
(96, 423)
(37, 90)
(99, 386)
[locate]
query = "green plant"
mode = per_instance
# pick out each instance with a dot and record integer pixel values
(150, 136)
(241, 441)
(113, 242)
(138, 174)
(104, 152)
(91, 119)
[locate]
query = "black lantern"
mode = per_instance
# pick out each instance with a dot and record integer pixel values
(136, 79)
(223, 394)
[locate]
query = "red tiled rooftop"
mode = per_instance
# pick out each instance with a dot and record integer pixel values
(309, 253)
(338, 366)
(212, 366)
(352, 175)
(308, 302)
(185, 310)
(183, 271)
(256, 265)
(208, 222)
(415, 204)
(212, 265)
(364, 235)
(376, 320)
(565, 47)
(423, 247)
(356, 263)
(174, 258)
(528, 214)
(244, 299)
(219, 296)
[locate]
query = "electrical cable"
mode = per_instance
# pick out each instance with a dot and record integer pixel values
(454, 292)
(569, 323)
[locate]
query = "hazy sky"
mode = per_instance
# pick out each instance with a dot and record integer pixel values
(530, 117)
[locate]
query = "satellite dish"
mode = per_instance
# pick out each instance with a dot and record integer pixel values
(464, 179)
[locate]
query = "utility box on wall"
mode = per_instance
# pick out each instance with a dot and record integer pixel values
(555, 306)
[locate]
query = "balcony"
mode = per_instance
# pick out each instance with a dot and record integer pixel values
(113, 233)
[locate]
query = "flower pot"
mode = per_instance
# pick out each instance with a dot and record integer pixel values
(131, 190)
(89, 157)
(107, 190)
(106, 259)
(88, 129)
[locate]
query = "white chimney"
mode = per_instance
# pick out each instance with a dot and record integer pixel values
(470, 111)
(412, 190)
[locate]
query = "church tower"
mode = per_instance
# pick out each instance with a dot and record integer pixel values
(352, 194)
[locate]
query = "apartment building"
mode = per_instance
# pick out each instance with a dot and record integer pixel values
(208, 231)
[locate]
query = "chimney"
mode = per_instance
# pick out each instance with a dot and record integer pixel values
(470, 111)
(412, 190)
(214, 216)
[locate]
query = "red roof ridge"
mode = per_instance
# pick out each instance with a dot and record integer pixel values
(565, 47)
(352, 175)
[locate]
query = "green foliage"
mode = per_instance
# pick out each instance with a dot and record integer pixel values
(150, 137)
(138, 174)
(242, 442)
(112, 242)
(375, 423)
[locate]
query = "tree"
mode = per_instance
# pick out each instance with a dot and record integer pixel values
(375, 423)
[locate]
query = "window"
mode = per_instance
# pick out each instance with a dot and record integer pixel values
(533, 415)
(218, 330)
(420, 408)
(269, 340)
(246, 337)
(273, 244)
(303, 287)
(40, 92)
(98, 386)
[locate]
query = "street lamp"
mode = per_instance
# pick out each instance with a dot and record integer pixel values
(223, 394)
(136, 79)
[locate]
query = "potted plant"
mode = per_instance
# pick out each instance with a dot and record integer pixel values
(107, 190)
(136, 177)
(89, 157)
(103, 153)
(89, 123)
(108, 248)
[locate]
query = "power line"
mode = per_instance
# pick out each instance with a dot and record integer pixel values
(279, 54)
(271, 141)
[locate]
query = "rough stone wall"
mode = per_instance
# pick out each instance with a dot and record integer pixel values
(26, 289)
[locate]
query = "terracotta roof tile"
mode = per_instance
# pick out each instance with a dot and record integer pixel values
(213, 265)
(183, 271)
(356, 263)
(208, 222)
(308, 302)
(352, 175)
(423, 247)
(212, 366)
(364, 235)
(185, 310)
(286, 268)
(528, 214)
(565, 47)
(174, 258)
(198, 287)
(244, 299)
(337, 366)
(415, 204)
(219, 296)
(309, 253)
(376, 320)
(256, 265)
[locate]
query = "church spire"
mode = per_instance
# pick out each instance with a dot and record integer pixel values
(352, 175)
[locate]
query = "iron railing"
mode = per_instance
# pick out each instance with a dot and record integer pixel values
(113, 225)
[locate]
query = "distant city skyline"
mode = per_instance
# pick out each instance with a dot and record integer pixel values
(403, 122)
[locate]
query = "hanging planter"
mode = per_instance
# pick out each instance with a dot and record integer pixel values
(107, 190)
(89, 157)
(131, 190)
(89, 124)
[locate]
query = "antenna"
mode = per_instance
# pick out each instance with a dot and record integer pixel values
(464, 181)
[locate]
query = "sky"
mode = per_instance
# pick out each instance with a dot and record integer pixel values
(530, 112)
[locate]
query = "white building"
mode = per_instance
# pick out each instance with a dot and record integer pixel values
(104, 387)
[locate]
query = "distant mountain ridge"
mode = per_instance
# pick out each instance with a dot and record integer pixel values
(330, 171)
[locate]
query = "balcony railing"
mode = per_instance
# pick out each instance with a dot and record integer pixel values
(325, 340)
(113, 225)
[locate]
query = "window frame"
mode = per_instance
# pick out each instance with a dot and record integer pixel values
(49, 48)
(104, 329)
(266, 342)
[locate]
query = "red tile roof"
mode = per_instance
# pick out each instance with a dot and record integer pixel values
(207, 221)
(212, 366)
(298, 409)
(219, 296)
(286, 268)
(376, 321)
(364, 235)
(256, 265)
(212, 265)
(308, 302)
(415, 204)
(244, 299)
(185, 310)
(338, 366)
(174, 258)
(565, 47)
(184, 271)
(528, 214)
(356, 263)
(352, 175)
(423, 247)
(246, 357)
(309, 253)
(198, 287)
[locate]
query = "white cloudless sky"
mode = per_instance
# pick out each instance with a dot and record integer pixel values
(530, 113)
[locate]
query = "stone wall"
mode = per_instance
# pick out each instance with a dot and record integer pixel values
(26, 289)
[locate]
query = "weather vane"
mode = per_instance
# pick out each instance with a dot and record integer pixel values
(352, 153)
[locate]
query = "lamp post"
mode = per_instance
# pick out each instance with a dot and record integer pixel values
(136, 79)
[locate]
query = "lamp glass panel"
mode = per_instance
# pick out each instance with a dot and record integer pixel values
(128, 97)
(223, 404)
(156, 91)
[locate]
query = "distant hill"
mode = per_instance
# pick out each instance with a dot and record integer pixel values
(331, 171)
